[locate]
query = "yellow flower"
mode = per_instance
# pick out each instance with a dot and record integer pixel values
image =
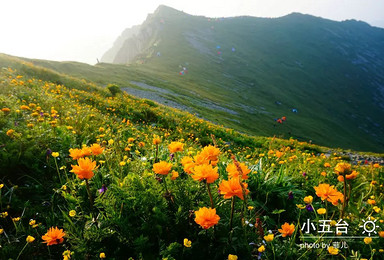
(261, 249)
(102, 255)
(32, 222)
(269, 237)
(381, 234)
(321, 211)
(308, 199)
(367, 240)
(232, 257)
(376, 209)
(1, 231)
(110, 142)
(251, 208)
(300, 206)
(187, 243)
(333, 251)
(55, 154)
(1, 186)
(122, 163)
(72, 213)
(30, 239)
(67, 255)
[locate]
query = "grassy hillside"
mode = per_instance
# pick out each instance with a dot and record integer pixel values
(246, 72)
(125, 177)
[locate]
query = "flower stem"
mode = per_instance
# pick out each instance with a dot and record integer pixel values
(165, 185)
(345, 197)
(232, 211)
(58, 172)
(157, 152)
(22, 251)
(89, 193)
(210, 195)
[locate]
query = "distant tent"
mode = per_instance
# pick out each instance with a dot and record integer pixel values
(279, 121)
(218, 47)
(219, 52)
(284, 118)
(294, 110)
(233, 49)
(158, 54)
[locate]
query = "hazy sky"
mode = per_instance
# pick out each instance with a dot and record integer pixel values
(82, 30)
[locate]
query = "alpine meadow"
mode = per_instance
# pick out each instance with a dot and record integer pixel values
(198, 138)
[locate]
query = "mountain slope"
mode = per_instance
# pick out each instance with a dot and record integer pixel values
(245, 72)
(330, 71)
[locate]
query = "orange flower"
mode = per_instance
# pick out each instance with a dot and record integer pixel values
(327, 165)
(86, 151)
(175, 147)
(24, 107)
(174, 176)
(233, 171)
(343, 168)
(329, 193)
(162, 167)
(205, 172)
(156, 140)
(232, 187)
(206, 217)
(53, 236)
(75, 153)
(200, 159)
(10, 132)
(352, 176)
(96, 149)
(6, 110)
(85, 168)
(278, 154)
(210, 153)
(287, 229)
(188, 164)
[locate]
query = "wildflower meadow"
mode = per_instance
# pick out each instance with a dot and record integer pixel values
(89, 173)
